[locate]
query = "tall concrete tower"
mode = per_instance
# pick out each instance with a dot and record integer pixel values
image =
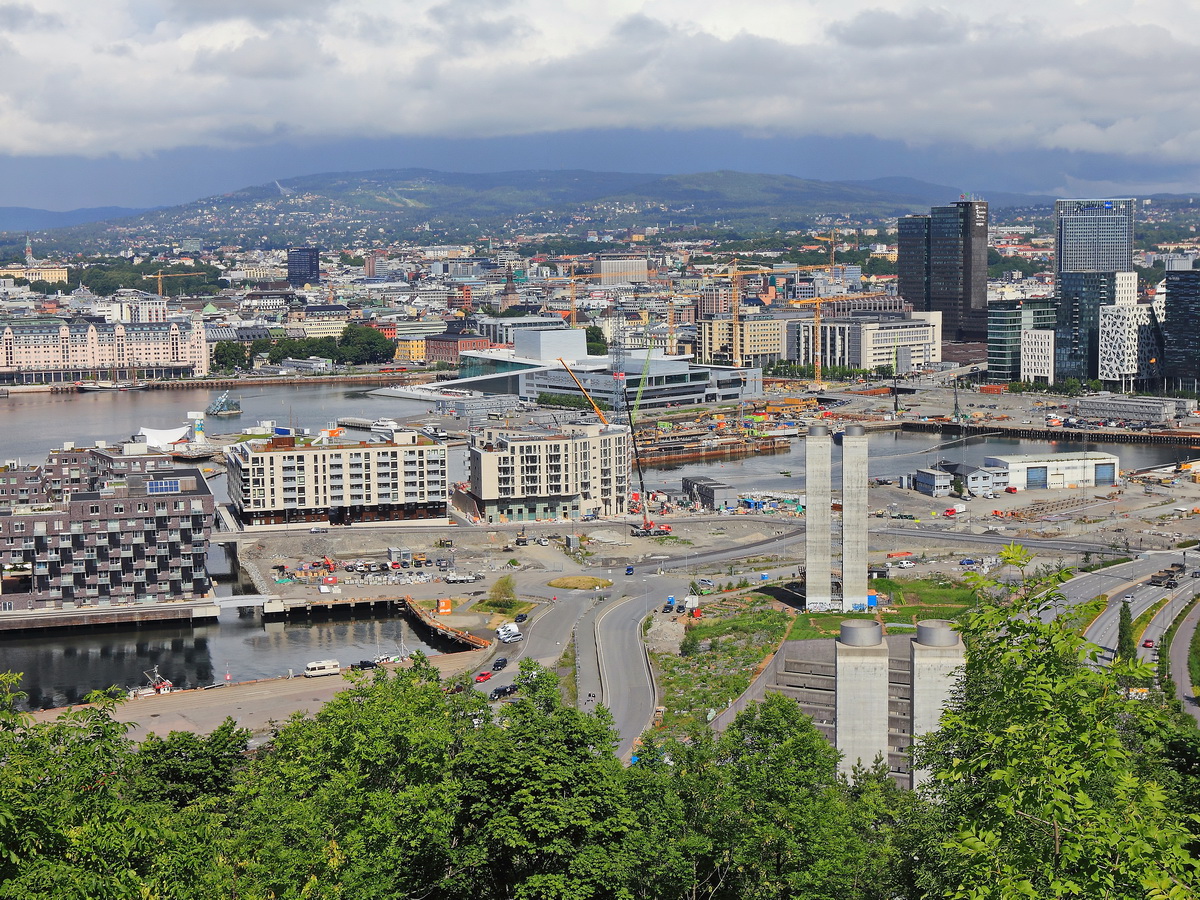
(854, 516)
(818, 527)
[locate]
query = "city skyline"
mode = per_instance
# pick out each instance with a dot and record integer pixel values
(161, 103)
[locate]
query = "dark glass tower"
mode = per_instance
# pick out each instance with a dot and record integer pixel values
(1181, 330)
(303, 266)
(941, 263)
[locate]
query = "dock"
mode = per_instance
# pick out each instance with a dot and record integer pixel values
(1038, 433)
(107, 616)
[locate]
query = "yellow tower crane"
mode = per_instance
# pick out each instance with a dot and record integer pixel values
(160, 276)
(816, 303)
(586, 395)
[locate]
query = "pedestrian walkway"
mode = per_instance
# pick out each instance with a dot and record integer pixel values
(1179, 663)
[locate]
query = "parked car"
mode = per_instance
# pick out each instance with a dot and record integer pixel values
(482, 677)
(316, 529)
(365, 664)
(705, 582)
(520, 617)
(500, 663)
(906, 564)
(966, 562)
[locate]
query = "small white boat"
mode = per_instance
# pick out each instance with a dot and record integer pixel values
(155, 684)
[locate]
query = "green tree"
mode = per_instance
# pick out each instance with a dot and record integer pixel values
(228, 355)
(1126, 646)
(503, 593)
(1036, 778)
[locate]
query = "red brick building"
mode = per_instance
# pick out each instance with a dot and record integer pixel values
(447, 347)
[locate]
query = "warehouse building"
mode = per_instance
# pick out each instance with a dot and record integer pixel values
(1059, 470)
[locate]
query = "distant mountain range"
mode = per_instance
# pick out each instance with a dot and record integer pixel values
(22, 218)
(336, 209)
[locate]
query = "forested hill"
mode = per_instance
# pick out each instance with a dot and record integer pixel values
(1046, 782)
(338, 209)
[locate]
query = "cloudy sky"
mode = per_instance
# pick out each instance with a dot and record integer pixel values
(147, 102)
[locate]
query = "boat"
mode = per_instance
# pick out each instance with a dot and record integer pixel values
(385, 426)
(94, 386)
(155, 684)
(224, 406)
(786, 474)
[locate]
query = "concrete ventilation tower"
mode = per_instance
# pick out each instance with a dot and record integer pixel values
(818, 525)
(854, 517)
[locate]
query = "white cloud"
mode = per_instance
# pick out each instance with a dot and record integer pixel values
(134, 76)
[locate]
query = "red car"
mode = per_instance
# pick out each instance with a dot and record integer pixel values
(1148, 644)
(482, 676)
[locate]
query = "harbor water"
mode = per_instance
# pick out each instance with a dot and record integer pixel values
(61, 668)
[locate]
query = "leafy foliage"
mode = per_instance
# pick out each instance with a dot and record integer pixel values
(1037, 771)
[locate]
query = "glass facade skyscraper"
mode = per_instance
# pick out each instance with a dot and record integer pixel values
(1093, 236)
(303, 266)
(942, 266)
(1181, 330)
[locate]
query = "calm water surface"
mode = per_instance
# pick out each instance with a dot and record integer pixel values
(61, 668)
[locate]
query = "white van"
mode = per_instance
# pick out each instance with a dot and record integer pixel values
(322, 667)
(506, 628)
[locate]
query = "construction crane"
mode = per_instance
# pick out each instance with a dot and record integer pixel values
(647, 528)
(160, 276)
(832, 241)
(574, 279)
(816, 303)
(586, 395)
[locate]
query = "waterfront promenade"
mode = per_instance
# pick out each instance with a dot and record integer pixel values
(256, 705)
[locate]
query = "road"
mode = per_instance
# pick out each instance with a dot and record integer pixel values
(1179, 663)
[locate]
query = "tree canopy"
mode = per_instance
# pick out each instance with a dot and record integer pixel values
(1045, 781)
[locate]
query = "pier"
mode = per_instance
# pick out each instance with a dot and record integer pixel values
(1075, 435)
(101, 616)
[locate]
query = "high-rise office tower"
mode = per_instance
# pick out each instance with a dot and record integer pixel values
(1077, 329)
(1093, 266)
(912, 261)
(942, 265)
(303, 266)
(1181, 330)
(1093, 236)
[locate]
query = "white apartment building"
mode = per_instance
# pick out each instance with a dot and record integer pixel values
(630, 269)
(532, 474)
(286, 479)
(1037, 355)
(907, 344)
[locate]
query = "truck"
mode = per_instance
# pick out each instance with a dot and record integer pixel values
(956, 509)
(1165, 578)
(1177, 567)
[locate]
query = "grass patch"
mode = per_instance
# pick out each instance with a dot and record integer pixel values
(727, 653)
(567, 675)
(1140, 623)
(671, 539)
(580, 582)
(1194, 660)
(1082, 615)
(507, 608)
